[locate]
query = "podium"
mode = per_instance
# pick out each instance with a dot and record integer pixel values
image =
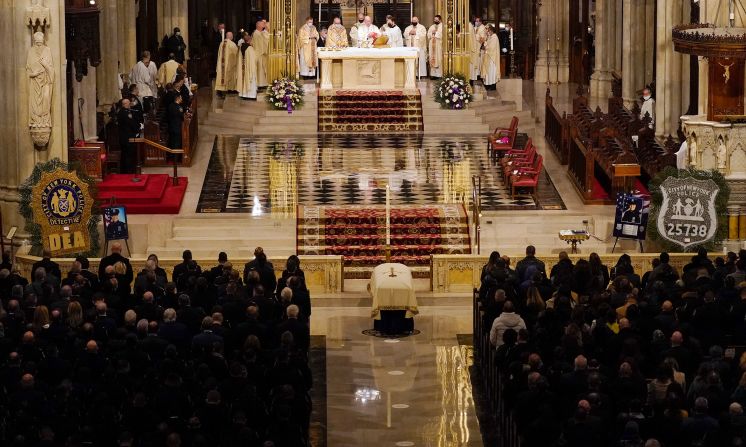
(394, 300)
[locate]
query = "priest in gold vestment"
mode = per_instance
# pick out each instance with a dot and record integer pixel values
(478, 37)
(435, 48)
(491, 60)
(415, 36)
(225, 80)
(246, 72)
(260, 42)
(308, 37)
(336, 36)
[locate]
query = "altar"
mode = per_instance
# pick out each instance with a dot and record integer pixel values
(368, 68)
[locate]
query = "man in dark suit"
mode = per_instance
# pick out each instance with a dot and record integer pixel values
(188, 267)
(113, 258)
(175, 44)
(301, 332)
(50, 267)
(207, 339)
(266, 270)
(175, 120)
(218, 269)
(529, 260)
(87, 274)
(173, 331)
(128, 127)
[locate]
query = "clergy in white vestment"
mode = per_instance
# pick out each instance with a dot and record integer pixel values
(308, 37)
(336, 36)
(367, 32)
(491, 60)
(392, 30)
(478, 34)
(435, 48)
(145, 75)
(225, 79)
(415, 36)
(246, 69)
(260, 42)
(648, 106)
(353, 30)
(167, 71)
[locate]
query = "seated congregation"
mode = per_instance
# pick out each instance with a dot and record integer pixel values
(213, 357)
(586, 355)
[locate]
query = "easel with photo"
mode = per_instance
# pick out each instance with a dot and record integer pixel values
(110, 215)
(631, 217)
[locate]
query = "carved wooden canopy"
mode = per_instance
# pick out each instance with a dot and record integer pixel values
(707, 40)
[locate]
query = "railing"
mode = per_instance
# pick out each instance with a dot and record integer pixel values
(476, 209)
(556, 130)
(189, 134)
(581, 168)
(145, 145)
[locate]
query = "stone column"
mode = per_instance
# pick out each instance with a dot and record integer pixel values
(111, 64)
(672, 69)
(554, 35)
(17, 152)
(601, 77)
(85, 90)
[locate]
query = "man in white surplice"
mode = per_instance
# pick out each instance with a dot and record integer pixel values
(392, 30)
(145, 75)
(366, 32)
(353, 30)
(415, 36)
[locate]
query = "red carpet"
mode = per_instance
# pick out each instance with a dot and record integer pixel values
(153, 194)
(359, 234)
(359, 111)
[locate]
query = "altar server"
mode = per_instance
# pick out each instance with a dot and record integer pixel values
(260, 42)
(491, 60)
(648, 106)
(144, 74)
(225, 80)
(336, 36)
(392, 30)
(307, 39)
(246, 72)
(435, 48)
(415, 36)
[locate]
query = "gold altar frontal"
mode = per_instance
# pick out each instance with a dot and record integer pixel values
(368, 69)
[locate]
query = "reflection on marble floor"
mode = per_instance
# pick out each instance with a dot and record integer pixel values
(406, 392)
(270, 175)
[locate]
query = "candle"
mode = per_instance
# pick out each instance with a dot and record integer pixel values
(511, 38)
(388, 215)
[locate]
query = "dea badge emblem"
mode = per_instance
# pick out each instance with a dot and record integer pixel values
(687, 215)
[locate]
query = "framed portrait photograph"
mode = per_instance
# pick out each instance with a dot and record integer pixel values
(115, 223)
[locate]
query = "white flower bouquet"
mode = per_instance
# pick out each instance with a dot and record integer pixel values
(453, 92)
(285, 94)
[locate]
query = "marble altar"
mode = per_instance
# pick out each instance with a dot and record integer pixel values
(368, 68)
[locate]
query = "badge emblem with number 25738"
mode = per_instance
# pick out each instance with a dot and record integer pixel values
(687, 216)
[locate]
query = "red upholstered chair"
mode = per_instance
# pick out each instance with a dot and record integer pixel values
(527, 178)
(517, 152)
(518, 164)
(502, 139)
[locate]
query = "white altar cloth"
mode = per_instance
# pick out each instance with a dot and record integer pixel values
(368, 68)
(369, 53)
(393, 292)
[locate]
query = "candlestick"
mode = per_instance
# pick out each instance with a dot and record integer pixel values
(511, 38)
(388, 215)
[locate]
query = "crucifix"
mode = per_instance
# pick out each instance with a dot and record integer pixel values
(726, 70)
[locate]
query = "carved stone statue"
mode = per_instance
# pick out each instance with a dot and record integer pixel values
(40, 70)
(693, 151)
(37, 15)
(722, 154)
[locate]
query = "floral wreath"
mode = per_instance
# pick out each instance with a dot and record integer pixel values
(285, 94)
(453, 92)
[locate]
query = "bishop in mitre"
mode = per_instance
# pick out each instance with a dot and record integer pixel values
(260, 42)
(353, 30)
(225, 80)
(246, 69)
(435, 48)
(415, 36)
(308, 37)
(491, 61)
(478, 38)
(336, 35)
(367, 32)
(393, 32)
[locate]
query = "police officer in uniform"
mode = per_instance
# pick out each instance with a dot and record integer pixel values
(175, 118)
(128, 128)
(116, 229)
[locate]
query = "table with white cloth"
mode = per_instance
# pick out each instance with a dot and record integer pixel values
(368, 68)
(394, 299)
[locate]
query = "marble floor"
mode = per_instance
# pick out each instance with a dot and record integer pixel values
(258, 175)
(414, 391)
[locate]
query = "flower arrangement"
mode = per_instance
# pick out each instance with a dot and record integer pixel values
(453, 92)
(285, 94)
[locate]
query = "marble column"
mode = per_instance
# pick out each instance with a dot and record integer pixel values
(118, 48)
(601, 77)
(637, 48)
(172, 14)
(672, 69)
(552, 61)
(84, 90)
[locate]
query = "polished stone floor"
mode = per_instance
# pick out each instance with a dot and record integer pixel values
(414, 391)
(273, 175)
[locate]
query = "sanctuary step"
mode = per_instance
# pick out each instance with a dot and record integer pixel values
(359, 235)
(153, 194)
(382, 111)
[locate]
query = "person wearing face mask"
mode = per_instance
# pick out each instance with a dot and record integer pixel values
(336, 35)
(392, 30)
(435, 48)
(415, 36)
(308, 36)
(175, 44)
(478, 37)
(353, 30)
(648, 106)
(491, 60)
(367, 32)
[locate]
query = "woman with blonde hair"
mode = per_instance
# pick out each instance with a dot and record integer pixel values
(74, 315)
(41, 319)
